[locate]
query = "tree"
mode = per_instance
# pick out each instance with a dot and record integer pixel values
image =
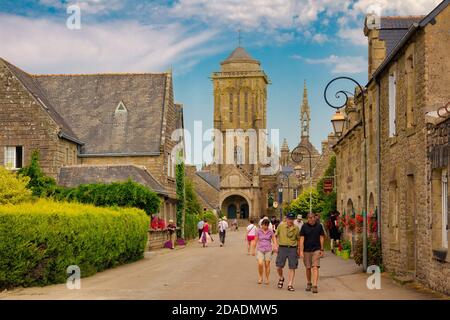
(39, 183)
(301, 204)
(328, 201)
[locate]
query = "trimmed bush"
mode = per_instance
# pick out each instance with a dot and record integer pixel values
(38, 241)
(122, 194)
(212, 220)
(13, 188)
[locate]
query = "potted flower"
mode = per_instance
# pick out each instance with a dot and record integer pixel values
(339, 249)
(346, 247)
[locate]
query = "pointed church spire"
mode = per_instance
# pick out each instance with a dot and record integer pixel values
(285, 146)
(305, 116)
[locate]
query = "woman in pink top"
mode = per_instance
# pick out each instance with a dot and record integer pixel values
(264, 238)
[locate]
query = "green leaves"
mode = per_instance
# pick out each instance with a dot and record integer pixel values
(13, 188)
(38, 241)
(121, 194)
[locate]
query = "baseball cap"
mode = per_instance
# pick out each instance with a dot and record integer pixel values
(290, 215)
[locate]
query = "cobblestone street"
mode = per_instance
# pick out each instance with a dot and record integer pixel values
(218, 273)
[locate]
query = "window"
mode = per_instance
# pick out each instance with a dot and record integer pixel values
(295, 193)
(170, 166)
(121, 108)
(439, 188)
(246, 106)
(392, 104)
(67, 155)
(231, 106)
(14, 157)
(410, 91)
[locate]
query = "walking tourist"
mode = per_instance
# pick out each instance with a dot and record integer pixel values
(205, 238)
(223, 226)
(264, 238)
(250, 237)
(234, 224)
(200, 228)
(288, 237)
(265, 218)
(335, 235)
(299, 222)
(171, 229)
(311, 250)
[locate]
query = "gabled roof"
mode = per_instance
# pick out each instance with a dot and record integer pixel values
(88, 103)
(72, 176)
(211, 178)
(239, 55)
(33, 87)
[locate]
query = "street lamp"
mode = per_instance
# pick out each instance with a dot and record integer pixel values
(338, 121)
(297, 157)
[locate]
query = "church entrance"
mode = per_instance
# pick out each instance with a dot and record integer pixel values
(235, 207)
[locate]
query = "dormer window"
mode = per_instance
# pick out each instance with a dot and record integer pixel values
(121, 108)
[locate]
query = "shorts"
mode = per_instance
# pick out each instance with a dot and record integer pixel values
(289, 253)
(250, 238)
(264, 256)
(311, 259)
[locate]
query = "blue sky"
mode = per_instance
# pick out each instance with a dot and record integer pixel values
(295, 40)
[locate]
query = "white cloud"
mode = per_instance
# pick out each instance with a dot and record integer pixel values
(353, 35)
(338, 64)
(320, 38)
(46, 46)
(87, 6)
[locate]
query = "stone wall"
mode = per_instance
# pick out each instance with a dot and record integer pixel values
(156, 239)
(24, 122)
(407, 225)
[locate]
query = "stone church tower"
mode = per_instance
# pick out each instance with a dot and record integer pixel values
(240, 95)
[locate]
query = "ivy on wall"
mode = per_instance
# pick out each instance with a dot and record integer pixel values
(181, 195)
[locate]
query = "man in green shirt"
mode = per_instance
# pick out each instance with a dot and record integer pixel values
(288, 238)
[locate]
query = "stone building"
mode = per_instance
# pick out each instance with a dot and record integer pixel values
(292, 185)
(92, 128)
(407, 159)
(240, 116)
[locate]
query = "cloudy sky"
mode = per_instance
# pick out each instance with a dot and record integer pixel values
(295, 40)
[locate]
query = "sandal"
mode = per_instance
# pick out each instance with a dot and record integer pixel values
(260, 281)
(280, 283)
(290, 288)
(314, 289)
(308, 286)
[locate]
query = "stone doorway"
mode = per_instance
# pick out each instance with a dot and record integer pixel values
(236, 207)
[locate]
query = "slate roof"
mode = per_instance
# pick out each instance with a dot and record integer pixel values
(88, 103)
(72, 176)
(392, 29)
(33, 87)
(239, 55)
(211, 178)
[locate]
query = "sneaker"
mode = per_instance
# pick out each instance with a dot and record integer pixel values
(308, 287)
(314, 289)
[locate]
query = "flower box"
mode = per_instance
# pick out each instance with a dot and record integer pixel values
(345, 254)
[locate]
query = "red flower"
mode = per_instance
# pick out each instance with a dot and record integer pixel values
(154, 223)
(161, 224)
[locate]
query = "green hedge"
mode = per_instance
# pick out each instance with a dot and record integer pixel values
(122, 194)
(38, 241)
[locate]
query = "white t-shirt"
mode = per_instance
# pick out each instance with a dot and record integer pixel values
(251, 230)
(223, 225)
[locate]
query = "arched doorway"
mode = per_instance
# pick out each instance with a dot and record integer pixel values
(236, 206)
(371, 204)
